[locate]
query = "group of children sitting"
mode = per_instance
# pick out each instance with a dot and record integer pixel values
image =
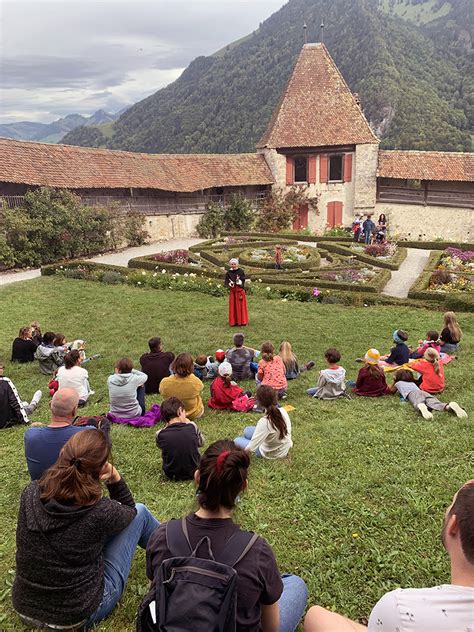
(419, 376)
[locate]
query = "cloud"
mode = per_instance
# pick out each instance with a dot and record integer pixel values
(81, 56)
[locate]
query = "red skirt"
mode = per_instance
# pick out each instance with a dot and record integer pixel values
(238, 314)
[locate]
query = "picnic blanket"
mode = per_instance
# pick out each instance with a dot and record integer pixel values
(147, 420)
(388, 368)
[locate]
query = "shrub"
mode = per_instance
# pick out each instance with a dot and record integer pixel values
(211, 224)
(335, 231)
(440, 277)
(112, 278)
(239, 214)
(279, 209)
(134, 233)
(385, 249)
(173, 256)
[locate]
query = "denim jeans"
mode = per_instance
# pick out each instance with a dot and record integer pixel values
(242, 442)
(254, 367)
(312, 391)
(449, 348)
(367, 237)
(118, 557)
(292, 602)
(141, 398)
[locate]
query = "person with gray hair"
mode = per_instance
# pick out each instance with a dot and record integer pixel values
(235, 281)
(43, 443)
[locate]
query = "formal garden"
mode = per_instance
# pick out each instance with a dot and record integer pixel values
(357, 507)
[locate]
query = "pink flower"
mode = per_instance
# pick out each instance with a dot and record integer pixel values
(316, 292)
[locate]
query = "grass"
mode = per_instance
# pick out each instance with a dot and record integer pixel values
(357, 508)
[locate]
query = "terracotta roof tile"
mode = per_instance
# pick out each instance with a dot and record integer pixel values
(317, 108)
(85, 168)
(426, 165)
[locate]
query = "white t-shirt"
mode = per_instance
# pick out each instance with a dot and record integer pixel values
(268, 441)
(76, 378)
(404, 388)
(445, 608)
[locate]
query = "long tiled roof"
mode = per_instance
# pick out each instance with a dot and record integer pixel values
(426, 165)
(72, 167)
(317, 108)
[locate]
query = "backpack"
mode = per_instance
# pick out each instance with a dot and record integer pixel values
(193, 593)
(243, 404)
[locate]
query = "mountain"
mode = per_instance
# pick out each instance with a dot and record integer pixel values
(55, 131)
(409, 61)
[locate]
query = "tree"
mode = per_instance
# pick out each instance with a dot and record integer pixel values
(280, 209)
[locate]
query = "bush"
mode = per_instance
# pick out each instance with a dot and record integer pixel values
(211, 224)
(134, 233)
(385, 249)
(179, 257)
(279, 210)
(112, 278)
(440, 277)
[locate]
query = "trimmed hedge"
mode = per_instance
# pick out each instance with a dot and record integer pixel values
(436, 245)
(312, 261)
(145, 263)
(374, 285)
(459, 301)
(396, 262)
(50, 269)
(290, 236)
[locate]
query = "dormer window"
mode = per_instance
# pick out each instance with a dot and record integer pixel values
(335, 168)
(301, 169)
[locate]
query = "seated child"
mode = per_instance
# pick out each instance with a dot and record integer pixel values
(271, 437)
(50, 356)
(178, 441)
(431, 341)
(12, 409)
(431, 370)
(400, 353)
(223, 390)
(451, 334)
(242, 359)
(212, 364)
(291, 361)
(271, 370)
(404, 383)
(24, 347)
(200, 366)
(331, 383)
(371, 378)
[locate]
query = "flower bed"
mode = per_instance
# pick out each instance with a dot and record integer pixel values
(456, 260)
(358, 250)
(179, 257)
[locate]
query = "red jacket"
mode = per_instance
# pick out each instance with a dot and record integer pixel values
(222, 396)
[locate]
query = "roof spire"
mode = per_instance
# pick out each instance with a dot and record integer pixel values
(322, 30)
(305, 31)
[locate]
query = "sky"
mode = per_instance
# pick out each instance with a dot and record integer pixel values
(65, 57)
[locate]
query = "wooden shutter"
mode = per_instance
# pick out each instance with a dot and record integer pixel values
(330, 215)
(338, 206)
(347, 168)
(290, 171)
(312, 170)
(323, 168)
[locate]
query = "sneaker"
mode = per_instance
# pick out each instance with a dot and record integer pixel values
(91, 393)
(425, 413)
(359, 360)
(37, 397)
(457, 410)
(309, 365)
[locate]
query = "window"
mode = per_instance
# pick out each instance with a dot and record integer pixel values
(301, 169)
(335, 168)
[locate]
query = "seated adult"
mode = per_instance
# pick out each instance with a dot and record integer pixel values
(50, 356)
(74, 546)
(156, 365)
(240, 357)
(265, 600)
(12, 409)
(449, 607)
(24, 347)
(184, 385)
(126, 390)
(72, 375)
(44, 443)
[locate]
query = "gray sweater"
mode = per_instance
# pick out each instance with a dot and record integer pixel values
(59, 565)
(123, 393)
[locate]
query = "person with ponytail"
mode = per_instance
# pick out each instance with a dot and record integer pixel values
(272, 371)
(74, 546)
(271, 437)
(266, 601)
(223, 390)
(431, 370)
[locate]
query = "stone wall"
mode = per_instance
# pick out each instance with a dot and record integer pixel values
(415, 221)
(171, 226)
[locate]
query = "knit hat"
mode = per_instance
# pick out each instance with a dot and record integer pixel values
(225, 369)
(220, 355)
(234, 260)
(400, 336)
(372, 356)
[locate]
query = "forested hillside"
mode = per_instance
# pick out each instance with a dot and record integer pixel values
(410, 65)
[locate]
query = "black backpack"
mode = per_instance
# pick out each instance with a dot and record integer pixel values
(193, 593)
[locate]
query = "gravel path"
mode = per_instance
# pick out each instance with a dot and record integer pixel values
(116, 258)
(403, 278)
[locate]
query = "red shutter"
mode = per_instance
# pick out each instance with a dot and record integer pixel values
(348, 168)
(330, 215)
(312, 170)
(338, 206)
(290, 171)
(323, 168)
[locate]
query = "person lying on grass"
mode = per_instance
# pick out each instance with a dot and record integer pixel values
(266, 600)
(74, 546)
(271, 437)
(178, 441)
(445, 608)
(404, 383)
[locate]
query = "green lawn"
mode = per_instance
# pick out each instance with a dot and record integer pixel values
(357, 508)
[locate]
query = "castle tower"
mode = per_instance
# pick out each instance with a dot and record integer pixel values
(318, 136)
